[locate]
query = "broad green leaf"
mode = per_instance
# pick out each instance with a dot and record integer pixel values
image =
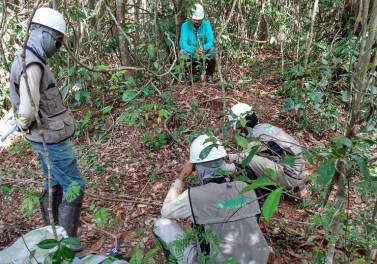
(67, 253)
(326, 172)
(308, 156)
(243, 122)
(243, 178)
(70, 241)
(48, 243)
(271, 203)
(204, 153)
(241, 141)
(249, 157)
(150, 49)
(258, 183)
(289, 160)
(361, 165)
(340, 139)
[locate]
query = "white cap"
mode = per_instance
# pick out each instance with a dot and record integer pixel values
(50, 18)
(198, 145)
(198, 12)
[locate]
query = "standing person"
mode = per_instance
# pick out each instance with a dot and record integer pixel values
(46, 38)
(228, 220)
(197, 39)
(273, 144)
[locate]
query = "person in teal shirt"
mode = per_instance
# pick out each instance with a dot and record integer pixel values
(197, 39)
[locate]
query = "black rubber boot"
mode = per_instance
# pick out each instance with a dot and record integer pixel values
(57, 197)
(69, 218)
(210, 71)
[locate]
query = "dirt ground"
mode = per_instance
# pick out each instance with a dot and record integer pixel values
(131, 179)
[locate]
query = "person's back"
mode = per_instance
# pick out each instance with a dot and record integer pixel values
(232, 218)
(276, 138)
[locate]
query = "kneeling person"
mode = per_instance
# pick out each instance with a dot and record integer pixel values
(218, 207)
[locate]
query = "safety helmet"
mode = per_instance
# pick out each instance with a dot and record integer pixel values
(50, 18)
(237, 112)
(198, 12)
(198, 145)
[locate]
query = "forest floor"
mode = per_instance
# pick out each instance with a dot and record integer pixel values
(131, 179)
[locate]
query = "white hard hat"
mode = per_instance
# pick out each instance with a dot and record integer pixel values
(50, 18)
(237, 112)
(198, 145)
(198, 12)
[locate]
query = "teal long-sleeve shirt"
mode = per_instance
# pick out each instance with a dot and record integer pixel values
(191, 38)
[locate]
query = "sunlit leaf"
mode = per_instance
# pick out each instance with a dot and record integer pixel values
(258, 183)
(271, 203)
(241, 141)
(249, 157)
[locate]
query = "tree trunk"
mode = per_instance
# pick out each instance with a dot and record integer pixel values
(123, 45)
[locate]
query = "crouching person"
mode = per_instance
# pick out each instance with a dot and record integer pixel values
(217, 208)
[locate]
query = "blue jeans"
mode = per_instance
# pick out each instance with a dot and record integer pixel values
(64, 168)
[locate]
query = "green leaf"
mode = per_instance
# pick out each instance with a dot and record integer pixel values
(258, 183)
(6, 188)
(101, 217)
(271, 203)
(71, 241)
(67, 253)
(249, 157)
(106, 109)
(308, 156)
(243, 122)
(289, 160)
(32, 253)
(271, 172)
(204, 153)
(241, 141)
(326, 172)
(48, 243)
(150, 49)
(86, 119)
(362, 165)
(342, 140)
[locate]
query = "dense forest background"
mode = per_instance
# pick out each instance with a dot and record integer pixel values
(308, 66)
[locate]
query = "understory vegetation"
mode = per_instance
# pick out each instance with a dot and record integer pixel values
(120, 74)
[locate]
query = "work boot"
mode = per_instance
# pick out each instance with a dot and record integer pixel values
(210, 71)
(69, 218)
(57, 197)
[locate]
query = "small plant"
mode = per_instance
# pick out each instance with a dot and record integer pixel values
(155, 141)
(63, 254)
